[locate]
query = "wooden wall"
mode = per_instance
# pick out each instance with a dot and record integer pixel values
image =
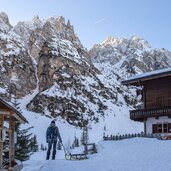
(157, 92)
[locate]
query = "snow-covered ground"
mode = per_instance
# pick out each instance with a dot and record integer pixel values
(136, 154)
(117, 122)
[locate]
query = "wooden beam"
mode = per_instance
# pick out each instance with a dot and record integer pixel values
(1, 141)
(145, 127)
(144, 97)
(18, 118)
(11, 139)
(4, 112)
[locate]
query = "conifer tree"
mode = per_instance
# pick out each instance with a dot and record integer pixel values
(23, 145)
(84, 137)
(16, 104)
(76, 142)
(26, 143)
(42, 147)
(33, 144)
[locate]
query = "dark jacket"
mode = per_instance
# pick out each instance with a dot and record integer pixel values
(52, 134)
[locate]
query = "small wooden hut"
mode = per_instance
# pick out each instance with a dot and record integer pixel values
(10, 115)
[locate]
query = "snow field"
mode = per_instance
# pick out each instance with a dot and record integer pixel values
(136, 154)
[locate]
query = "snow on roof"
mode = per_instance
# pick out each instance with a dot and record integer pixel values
(23, 119)
(148, 76)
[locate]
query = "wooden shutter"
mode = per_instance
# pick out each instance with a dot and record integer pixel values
(169, 127)
(154, 126)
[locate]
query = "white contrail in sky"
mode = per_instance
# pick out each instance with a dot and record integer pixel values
(102, 19)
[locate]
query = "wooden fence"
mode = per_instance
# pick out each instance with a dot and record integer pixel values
(127, 136)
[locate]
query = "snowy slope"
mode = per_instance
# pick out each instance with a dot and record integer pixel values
(137, 154)
(115, 122)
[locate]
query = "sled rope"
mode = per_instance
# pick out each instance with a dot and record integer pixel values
(67, 153)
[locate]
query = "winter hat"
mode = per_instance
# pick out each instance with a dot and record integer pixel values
(53, 122)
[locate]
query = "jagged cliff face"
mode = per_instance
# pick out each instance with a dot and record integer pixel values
(68, 84)
(20, 47)
(46, 56)
(17, 69)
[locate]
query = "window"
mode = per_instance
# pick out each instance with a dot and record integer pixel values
(154, 127)
(161, 128)
(159, 101)
(165, 127)
(169, 127)
(163, 101)
(169, 101)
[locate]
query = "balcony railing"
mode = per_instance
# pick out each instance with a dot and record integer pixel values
(142, 114)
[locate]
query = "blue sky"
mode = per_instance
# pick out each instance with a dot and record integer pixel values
(94, 20)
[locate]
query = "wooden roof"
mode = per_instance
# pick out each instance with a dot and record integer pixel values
(137, 79)
(7, 109)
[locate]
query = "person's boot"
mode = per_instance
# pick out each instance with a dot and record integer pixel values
(53, 155)
(48, 155)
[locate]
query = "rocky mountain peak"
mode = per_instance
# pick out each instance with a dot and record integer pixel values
(139, 43)
(134, 42)
(36, 22)
(4, 22)
(110, 40)
(134, 54)
(35, 17)
(53, 27)
(4, 18)
(61, 19)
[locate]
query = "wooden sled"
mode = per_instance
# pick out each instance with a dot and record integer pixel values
(81, 156)
(69, 156)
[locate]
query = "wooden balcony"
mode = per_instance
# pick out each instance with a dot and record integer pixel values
(143, 114)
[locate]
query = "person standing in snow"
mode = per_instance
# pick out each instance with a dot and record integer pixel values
(52, 134)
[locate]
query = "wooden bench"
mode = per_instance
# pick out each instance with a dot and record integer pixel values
(90, 148)
(78, 156)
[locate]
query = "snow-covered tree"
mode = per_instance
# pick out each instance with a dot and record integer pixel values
(84, 137)
(34, 144)
(23, 145)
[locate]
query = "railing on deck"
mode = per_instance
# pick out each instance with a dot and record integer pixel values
(141, 114)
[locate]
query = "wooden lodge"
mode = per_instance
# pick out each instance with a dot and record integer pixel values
(156, 97)
(8, 116)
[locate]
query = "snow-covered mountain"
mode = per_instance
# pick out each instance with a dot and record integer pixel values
(133, 55)
(45, 66)
(46, 58)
